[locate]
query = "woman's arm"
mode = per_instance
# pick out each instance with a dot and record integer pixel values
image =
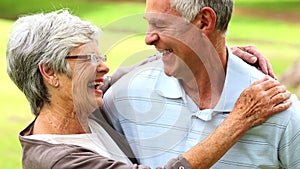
(252, 56)
(255, 105)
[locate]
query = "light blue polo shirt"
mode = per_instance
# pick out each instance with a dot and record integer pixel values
(161, 122)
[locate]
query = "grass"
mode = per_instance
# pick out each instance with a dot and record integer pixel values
(12, 9)
(277, 40)
(275, 5)
(14, 108)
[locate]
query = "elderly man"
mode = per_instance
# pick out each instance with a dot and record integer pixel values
(163, 116)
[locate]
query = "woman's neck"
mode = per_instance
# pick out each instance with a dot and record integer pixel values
(58, 120)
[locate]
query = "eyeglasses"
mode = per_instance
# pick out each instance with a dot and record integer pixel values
(92, 57)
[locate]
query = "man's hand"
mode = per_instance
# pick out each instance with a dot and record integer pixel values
(251, 55)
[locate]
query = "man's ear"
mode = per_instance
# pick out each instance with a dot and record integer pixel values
(49, 75)
(206, 20)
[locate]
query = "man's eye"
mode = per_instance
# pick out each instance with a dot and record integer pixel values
(159, 25)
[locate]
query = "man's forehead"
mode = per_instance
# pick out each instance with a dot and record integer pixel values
(159, 6)
(154, 17)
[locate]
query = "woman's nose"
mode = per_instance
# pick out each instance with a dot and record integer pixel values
(102, 68)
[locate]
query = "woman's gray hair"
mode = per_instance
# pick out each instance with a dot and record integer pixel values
(190, 8)
(44, 39)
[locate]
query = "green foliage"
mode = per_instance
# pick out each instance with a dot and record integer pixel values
(276, 5)
(276, 39)
(12, 9)
(15, 111)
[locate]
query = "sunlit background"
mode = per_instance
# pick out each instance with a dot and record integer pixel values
(272, 25)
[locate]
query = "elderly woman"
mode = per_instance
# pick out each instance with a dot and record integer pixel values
(54, 60)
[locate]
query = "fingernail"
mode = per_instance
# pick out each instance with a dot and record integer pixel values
(253, 59)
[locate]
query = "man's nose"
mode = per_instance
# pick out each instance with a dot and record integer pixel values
(151, 38)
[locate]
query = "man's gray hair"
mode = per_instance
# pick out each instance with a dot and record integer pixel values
(44, 39)
(190, 8)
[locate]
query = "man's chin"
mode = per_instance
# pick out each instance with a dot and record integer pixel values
(168, 71)
(169, 58)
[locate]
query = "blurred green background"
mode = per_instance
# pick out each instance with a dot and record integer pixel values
(272, 25)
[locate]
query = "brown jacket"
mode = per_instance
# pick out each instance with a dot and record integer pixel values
(39, 154)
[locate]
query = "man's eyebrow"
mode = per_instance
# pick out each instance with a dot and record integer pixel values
(150, 16)
(151, 19)
(146, 16)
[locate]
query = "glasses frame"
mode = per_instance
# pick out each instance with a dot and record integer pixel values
(92, 57)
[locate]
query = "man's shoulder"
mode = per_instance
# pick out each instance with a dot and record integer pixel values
(151, 69)
(240, 66)
(294, 110)
(291, 116)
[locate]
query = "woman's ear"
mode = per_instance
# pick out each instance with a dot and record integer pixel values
(49, 75)
(206, 20)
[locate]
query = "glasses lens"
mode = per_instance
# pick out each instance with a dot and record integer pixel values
(97, 59)
(94, 59)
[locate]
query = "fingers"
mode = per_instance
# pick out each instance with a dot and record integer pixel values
(272, 89)
(243, 54)
(260, 81)
(282, 106)
(263, 62)
(280, 98)
(266, 83)
(251, 55)
(261, 100)
(273, 101)
(270, 70)
(277, 89)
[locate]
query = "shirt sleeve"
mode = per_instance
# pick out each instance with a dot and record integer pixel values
(110, 111)
(178, 163)
(82, 159)
(289, 149)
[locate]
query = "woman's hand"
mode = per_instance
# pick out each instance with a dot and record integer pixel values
(261, 100)
(252, 56)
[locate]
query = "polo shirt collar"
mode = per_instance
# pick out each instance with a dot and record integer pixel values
(238, 77)
(168, 87)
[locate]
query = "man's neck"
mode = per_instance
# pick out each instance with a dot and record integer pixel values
(204, 91)
(206, 87)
